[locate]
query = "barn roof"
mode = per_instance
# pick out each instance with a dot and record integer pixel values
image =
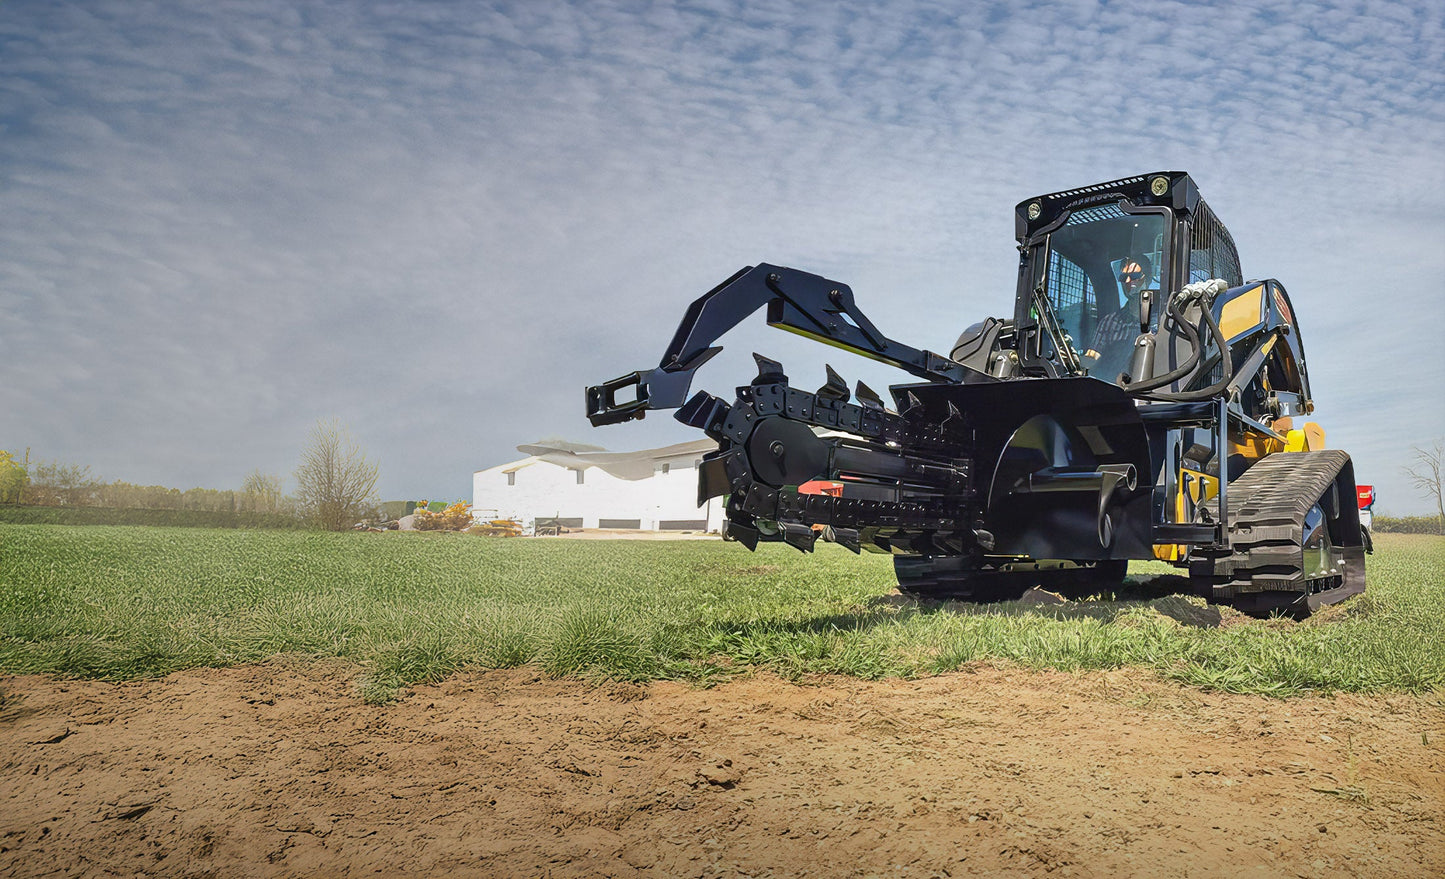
(636, 465)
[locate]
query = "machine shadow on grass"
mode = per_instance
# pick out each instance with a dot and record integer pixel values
(1162, 594)
(1166, 594)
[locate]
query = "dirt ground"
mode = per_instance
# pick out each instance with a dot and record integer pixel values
(280, 770)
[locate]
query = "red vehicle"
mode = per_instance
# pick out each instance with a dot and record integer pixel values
(1365, 494)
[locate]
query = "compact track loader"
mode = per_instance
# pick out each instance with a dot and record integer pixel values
(1143, 401)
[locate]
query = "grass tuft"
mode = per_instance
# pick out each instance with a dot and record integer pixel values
(591, 641)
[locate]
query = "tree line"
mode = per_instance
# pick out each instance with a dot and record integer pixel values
(56, 484)
(335, 486)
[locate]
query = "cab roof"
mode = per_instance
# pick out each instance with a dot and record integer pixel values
(1174, 189)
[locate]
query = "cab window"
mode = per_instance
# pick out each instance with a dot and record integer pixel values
(1085, 258)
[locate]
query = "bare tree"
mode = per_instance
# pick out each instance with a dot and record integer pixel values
(53, 484)
(1427, 472)
(262, 492)
(335, 481)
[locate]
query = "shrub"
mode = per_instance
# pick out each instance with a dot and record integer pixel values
(1409, 524)
(14, 476)
(15, 514)
(453, 518)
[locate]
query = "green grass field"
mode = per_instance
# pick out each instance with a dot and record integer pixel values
(123, 602)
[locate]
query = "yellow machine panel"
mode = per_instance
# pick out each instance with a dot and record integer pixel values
(1242, 313)
(1310, 438)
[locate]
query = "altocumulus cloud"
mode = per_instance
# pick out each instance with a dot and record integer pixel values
(440, 221)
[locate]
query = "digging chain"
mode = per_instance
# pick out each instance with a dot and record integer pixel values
(924, 488)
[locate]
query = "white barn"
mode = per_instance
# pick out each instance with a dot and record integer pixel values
(589, 487)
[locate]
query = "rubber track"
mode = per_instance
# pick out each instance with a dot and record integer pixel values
(1267, 507)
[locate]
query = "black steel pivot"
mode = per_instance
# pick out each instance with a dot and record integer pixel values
(807, 304)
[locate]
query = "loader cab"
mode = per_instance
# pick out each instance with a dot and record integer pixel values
(1097, 269)
(1073, 248)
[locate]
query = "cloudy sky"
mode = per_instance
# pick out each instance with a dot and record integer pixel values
(221, 221)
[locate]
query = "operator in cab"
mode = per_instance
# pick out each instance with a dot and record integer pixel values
(1113, 341)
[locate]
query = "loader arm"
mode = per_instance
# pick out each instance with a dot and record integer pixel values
(803, 303)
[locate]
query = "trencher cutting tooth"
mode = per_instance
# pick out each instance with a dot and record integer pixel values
(770, 372)
(867, 397)
(743, 534)
(848, 538)
(799, 536)
(834, 388)
(953, 419)
(910, 406)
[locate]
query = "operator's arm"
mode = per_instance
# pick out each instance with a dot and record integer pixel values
(1105, 324)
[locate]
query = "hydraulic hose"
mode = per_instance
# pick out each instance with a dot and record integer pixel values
(1174, 313)
(1199, 291)
(1227, 372)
